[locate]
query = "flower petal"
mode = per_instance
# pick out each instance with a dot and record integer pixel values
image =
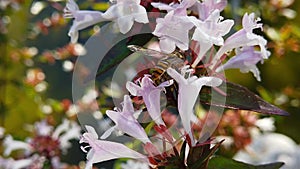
(112, 12)
(166, 45)
(151, 96)
(166, 83)
(127, 104)
(209, 81)
(92, 131)
(175, 75)
(133, 88)
(71, 5)
(107, 150)
(15, 164)
(245, 60)
(209, 32)
(141, 15)
(187, 95)
(162, 6)
(126, 122)
(73, 132)
(11, 145)
(108, 132)
(205, 8)
(244, 37)
(74, 35)
(125, 23)
(173, 31)
(124, 13)
(84, 19)
(61, 128)
(129, 125)
(154, 107)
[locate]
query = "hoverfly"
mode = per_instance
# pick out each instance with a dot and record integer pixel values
(173, 60)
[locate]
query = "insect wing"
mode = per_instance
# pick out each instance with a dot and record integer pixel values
(148, 52)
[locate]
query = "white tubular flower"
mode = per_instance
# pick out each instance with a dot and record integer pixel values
(82, 18)
(14, 164)
(244, 37)
(173, 31)
(125, 12)
(100, 150)
(245, 59)
(189, 89)
(206, 7)
(11, 145)
(125, 122)
(65, 132)
(151, 96)
(209, 32)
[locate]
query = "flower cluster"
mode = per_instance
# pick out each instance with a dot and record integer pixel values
(200, 19)
(126, 121)
(187, 24)
(237, 127)
(44, 148)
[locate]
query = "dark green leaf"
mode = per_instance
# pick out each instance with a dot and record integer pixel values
(238, 97)
(120, 51)
(225, 163)
(200, 154)
(276, 165)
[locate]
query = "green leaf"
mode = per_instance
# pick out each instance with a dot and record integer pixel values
(120, 51)
(238, 97)
(219, 162)
(199, 155)
(276, 165)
